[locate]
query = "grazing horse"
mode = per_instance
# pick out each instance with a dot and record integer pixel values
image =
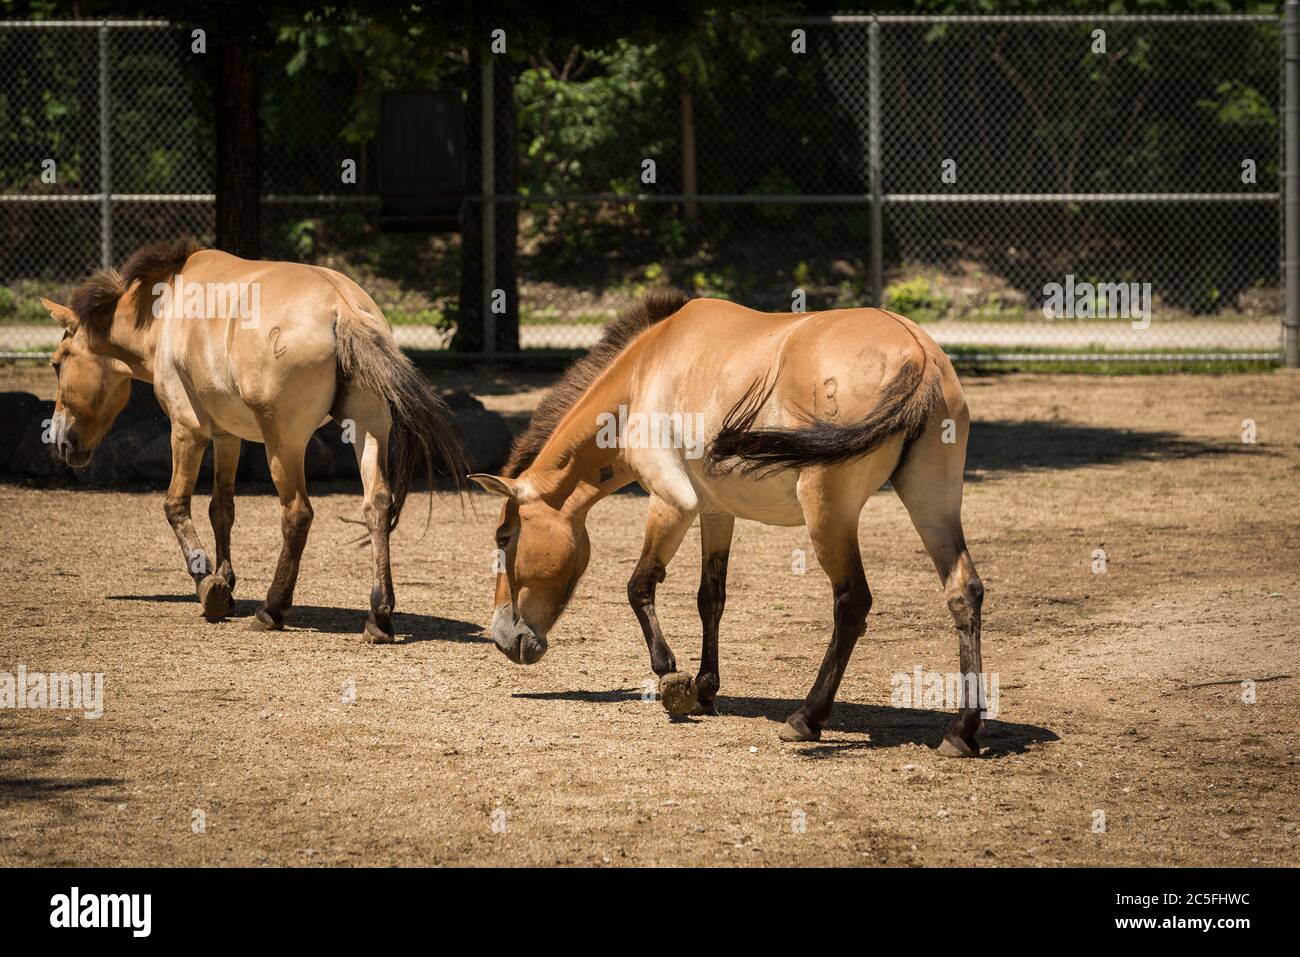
(800, 417)
(263, 351)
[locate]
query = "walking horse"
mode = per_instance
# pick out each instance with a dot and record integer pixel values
(313, 347)
(805, 415)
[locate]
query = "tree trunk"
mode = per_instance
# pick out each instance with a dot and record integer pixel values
(471, 306)
(690, 184)
(239, 167)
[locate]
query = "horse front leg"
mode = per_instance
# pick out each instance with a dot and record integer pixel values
(188, 446)
(715, 546)
(666, 526)
(287, 472)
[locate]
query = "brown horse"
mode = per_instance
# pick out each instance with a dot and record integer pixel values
(720, 412)
(263, 351)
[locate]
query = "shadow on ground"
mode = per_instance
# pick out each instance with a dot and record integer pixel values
(1006, 446)
(612, 696)
(886, 727)
(45, 789)
(36, 745)
(410, 627)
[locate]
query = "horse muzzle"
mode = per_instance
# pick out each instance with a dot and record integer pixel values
(68, 449)
(516, 640)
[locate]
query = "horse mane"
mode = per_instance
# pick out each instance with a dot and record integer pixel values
(96, 299)
(651, 309)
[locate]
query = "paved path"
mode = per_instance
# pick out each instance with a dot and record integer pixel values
(1262, 336)
(1064, 335)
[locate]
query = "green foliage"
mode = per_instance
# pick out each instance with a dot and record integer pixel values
(915, 299)
(31, 312)
(300, 236)
(590, 135)
(398, 316)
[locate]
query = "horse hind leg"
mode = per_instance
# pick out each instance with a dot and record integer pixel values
(832, 500)
(286, 457)
(221, 510)
(965, 596)
(930, 487)
(372, 423)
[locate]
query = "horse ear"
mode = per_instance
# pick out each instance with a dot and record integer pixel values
(62, 314)
(494, 483)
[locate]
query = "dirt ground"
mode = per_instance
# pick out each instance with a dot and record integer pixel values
(1120, 692)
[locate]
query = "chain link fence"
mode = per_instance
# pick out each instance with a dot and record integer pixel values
(1059, 185)
(1064, 186)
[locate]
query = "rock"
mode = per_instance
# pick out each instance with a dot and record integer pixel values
(114, 460)
(486, 436)
(253, 466)
(153, 461)
(329, 456)
(35, 456)
(143, 407)
(462, 400)
(17, 409)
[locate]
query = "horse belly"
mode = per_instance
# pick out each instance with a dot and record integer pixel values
(229, 414)
(771, 500)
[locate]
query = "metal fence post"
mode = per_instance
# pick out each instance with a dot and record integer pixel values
(105, 157)
(873, 163)
(1291, 183)
(487, 119)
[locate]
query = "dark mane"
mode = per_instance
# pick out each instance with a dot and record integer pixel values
(654, 307)
(96, 300)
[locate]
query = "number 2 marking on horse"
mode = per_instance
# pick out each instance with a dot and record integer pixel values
(833, 406)
(274, 337)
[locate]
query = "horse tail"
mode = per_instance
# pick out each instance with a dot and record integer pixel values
(423, 429)
(903, 408)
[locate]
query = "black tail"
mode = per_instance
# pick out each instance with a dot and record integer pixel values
(904, 406)
(423, 427)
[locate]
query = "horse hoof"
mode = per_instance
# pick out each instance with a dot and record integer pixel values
(265, 621)
(797, 729)
(214, 596)
(375, 635)
(705, 709)
(677, 692)
(954, 746)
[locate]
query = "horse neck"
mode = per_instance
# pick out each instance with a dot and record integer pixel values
(128, 341)
(573, 471)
